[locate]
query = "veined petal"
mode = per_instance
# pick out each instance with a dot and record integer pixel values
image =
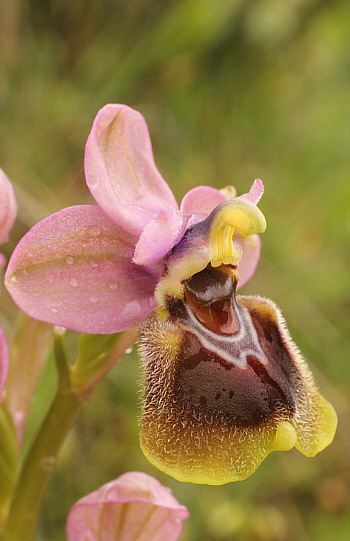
(4, 362)
(159, 236)
(120, 169)
(8, 207)
(133, 507)
(74, 269)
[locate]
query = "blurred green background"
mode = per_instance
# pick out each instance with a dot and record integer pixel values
(231, 90)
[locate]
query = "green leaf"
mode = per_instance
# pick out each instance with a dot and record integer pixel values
(9, 460)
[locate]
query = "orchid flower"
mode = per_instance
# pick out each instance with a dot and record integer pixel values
(134, 506)
(79, 268)
(224, 383)
(8, 211)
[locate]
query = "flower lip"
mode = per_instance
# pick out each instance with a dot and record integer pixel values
(243, 395)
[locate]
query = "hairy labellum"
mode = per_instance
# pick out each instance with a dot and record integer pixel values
(224, 384)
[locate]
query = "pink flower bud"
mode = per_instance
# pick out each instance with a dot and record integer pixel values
(133, 507)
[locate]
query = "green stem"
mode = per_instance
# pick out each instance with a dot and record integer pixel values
(38, 467)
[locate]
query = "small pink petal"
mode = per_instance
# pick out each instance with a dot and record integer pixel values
(159, 236)
(74, 269)
(250, 258)
(4, 361)
(8, 207)
(200, 201)
(255, 192)
(120, 169)
(134, 507)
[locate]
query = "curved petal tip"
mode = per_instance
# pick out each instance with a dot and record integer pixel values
(255, 193)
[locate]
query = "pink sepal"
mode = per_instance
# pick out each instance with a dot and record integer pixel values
(74, 269)
(120, 169)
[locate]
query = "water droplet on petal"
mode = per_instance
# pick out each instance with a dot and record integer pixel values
(73, 282)
(87, 536)
(48, 463)
(112, 285)
(53, 310)
(128, 351)
(92, 180)
(70, 260)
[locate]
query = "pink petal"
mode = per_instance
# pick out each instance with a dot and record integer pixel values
(160, 235)
(4, 362)
(120, 169)
(250, 257)
(8, 207)
(255, 192)
(30, 348)
(201, 198)
(134, 507)
(74, 269)
(200, 201)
